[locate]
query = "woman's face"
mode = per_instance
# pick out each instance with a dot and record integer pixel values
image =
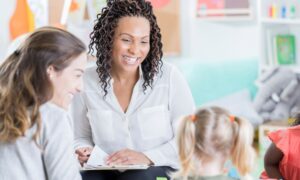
(131, 43)
(67, 82)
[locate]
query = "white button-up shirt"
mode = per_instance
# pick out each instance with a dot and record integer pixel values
(149, 123)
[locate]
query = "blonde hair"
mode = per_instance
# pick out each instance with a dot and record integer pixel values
(213, 130)
(24, 83)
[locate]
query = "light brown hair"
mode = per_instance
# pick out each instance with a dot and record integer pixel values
(24, 83)
(212, 131)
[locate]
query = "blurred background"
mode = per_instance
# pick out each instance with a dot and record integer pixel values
(234, 53)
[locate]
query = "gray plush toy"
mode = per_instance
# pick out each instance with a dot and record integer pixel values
(278, 94)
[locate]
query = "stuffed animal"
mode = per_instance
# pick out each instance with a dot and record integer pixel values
(278, 94)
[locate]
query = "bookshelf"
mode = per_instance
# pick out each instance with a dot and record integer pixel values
(278, 18)
(224, 10)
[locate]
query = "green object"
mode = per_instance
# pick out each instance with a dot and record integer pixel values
(285, 49)
(161, 178)
(292, 11)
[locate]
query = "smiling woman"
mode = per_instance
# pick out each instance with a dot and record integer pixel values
(131, 101)
(35, 134)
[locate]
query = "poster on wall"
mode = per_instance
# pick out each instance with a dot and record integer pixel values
(168, 17)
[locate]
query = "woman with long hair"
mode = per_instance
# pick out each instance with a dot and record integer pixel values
(37, 83)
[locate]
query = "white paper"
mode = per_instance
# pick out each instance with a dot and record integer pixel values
(97, 157)
(114, 167)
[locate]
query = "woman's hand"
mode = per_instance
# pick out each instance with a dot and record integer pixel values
(127, 157)
(83, 154)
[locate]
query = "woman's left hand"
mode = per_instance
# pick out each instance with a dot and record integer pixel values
(127, 157)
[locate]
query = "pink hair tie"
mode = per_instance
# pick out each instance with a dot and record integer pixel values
(232, 118)
(193, 117)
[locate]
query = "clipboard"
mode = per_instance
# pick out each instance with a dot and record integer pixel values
(114, 167)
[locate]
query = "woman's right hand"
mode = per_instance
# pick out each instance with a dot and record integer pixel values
(83, 154)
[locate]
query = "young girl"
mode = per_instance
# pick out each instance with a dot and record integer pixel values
(37, 83)
(208, 139)
(282, 157)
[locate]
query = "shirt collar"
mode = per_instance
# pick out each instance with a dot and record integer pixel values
(141, 78)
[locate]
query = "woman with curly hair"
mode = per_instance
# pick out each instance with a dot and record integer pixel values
(37, 82)
(131, 100)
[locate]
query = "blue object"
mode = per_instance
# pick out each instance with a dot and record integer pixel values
(283, 11)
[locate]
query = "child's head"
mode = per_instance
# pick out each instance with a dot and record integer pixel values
(213, 133)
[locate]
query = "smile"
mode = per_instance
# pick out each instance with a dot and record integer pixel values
(131, 60)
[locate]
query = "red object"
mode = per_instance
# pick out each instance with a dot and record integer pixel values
(288, 141)
(271, 11)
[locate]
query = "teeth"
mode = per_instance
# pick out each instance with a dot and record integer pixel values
(130, 60)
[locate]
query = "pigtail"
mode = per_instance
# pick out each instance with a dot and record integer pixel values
(186, 141)
(243, 154)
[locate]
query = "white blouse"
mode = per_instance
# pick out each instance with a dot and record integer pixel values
(149, 123)
(53, 160)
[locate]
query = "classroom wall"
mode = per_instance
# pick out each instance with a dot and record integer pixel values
(203, 41)
(6, 9)
(209, 41)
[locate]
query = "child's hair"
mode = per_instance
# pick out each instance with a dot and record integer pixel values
(213, 131)
(24, 82)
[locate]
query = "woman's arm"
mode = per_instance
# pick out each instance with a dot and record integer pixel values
(58, 153)
(272, 159)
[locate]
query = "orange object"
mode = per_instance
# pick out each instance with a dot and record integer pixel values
(232, 118)
(22, 20)
(193, 118)
(74, 6)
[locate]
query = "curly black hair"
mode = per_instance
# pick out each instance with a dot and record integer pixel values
(103, 33)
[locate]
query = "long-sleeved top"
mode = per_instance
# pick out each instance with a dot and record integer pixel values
(52, 159)
(148, 125)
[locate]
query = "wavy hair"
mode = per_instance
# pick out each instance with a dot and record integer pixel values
(24, 83)
(103, 33)
(213, 131)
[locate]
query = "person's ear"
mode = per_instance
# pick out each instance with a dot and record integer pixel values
(50, 72)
